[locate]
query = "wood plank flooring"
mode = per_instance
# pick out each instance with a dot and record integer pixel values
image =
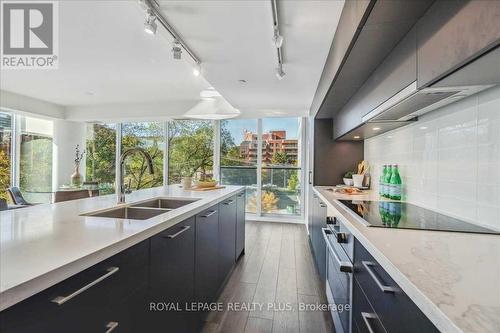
(274, 277)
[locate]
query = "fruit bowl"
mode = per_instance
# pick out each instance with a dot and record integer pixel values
(206, 183)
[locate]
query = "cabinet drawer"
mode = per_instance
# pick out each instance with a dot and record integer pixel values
(364, 317)
(395, 309)
(78, 303)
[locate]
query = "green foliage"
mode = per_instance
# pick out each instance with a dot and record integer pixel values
(279, 158)
(4, 174)
(348, 174)
(35, 163)
(190, 145)
(293, 181)
(101, 149)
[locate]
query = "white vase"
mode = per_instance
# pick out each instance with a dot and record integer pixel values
(187, 182)
(358, 180)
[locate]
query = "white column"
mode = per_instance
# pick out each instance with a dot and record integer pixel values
(67, 134)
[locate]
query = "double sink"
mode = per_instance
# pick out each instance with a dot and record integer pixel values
(142, 210)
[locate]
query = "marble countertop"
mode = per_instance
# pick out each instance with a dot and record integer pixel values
(45, 244)
(454, 278)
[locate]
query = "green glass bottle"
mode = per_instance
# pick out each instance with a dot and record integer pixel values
(387, 181)
(395, 184)
(381, 183)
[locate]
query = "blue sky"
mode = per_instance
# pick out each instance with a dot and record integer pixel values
(237, 126)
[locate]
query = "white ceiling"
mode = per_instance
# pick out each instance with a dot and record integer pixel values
(104, 51)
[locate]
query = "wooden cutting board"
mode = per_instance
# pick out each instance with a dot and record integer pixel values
(203, 189)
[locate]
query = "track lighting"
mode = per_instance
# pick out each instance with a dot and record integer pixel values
(279, 72)
(197, 69)
(277, 38)
(176, 50)
(150, 25)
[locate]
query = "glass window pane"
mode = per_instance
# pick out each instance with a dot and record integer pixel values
(148, 136)
(238, 165)
(281, 174)
(5, 153)
(35, 160)
(100, 156)
(190, 148)
(280, 141)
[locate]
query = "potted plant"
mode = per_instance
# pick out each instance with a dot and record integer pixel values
(348, 178)
(76, 177)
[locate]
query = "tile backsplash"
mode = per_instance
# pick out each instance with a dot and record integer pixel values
(449, 160)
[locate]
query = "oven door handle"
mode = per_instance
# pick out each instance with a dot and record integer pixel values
(345, 266)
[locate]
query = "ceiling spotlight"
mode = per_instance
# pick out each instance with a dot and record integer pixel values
(197, 69)
(150, 25)
(356, 137)
(176, 50)
(277, 38)
(279, 72)
(376, 128)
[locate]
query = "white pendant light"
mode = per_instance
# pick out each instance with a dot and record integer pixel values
(212, 108)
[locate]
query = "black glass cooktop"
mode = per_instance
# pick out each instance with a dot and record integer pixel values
(400, 215)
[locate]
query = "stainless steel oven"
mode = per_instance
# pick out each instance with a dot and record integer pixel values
(339, 278)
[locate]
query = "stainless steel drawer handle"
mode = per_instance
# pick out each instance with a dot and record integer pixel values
(111, 326)
(60, 300)
(228, 202)
(212, 212)
(345, 267)
(184, 228)
(386, 289)
(366, 318)
(322, 205)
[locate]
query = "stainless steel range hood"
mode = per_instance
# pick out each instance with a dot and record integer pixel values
(411, 102)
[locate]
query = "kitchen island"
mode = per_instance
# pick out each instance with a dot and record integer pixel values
(48, 244)
(452, 277)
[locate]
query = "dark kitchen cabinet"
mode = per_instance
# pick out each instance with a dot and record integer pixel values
(227, 237)
(396, 72)
(240, 223)
(392, 307)
(90, 301)
(207, 238)
(318, 242)
(452, 33)
(172, 276)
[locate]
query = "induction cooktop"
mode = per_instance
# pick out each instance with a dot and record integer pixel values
(400, 215)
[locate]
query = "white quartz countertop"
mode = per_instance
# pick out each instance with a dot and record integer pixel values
(454, 278)
(45, 244)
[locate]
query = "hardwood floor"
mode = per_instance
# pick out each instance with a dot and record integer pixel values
(274, 277)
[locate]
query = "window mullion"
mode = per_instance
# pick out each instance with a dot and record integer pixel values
(118, 153)
(217, 143)
(165, 153)
(259, 167)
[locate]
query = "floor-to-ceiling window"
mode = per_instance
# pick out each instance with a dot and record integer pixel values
(5, 153)
(238, 157)
(100, 156)
(150, 137)
(190, 149)
(35, 158)
(265, 156)
(281, 172)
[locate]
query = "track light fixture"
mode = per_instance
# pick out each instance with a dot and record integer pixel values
(279, 72)
(176, 50)
(277, 38)
(150, 25)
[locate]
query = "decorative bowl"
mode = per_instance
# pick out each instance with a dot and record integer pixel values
(348, 181)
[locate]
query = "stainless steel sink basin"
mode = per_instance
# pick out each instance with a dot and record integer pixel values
(133, 213)
(165, 203)
(142, 210)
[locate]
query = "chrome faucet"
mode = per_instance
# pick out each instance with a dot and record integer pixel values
(125, 154)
